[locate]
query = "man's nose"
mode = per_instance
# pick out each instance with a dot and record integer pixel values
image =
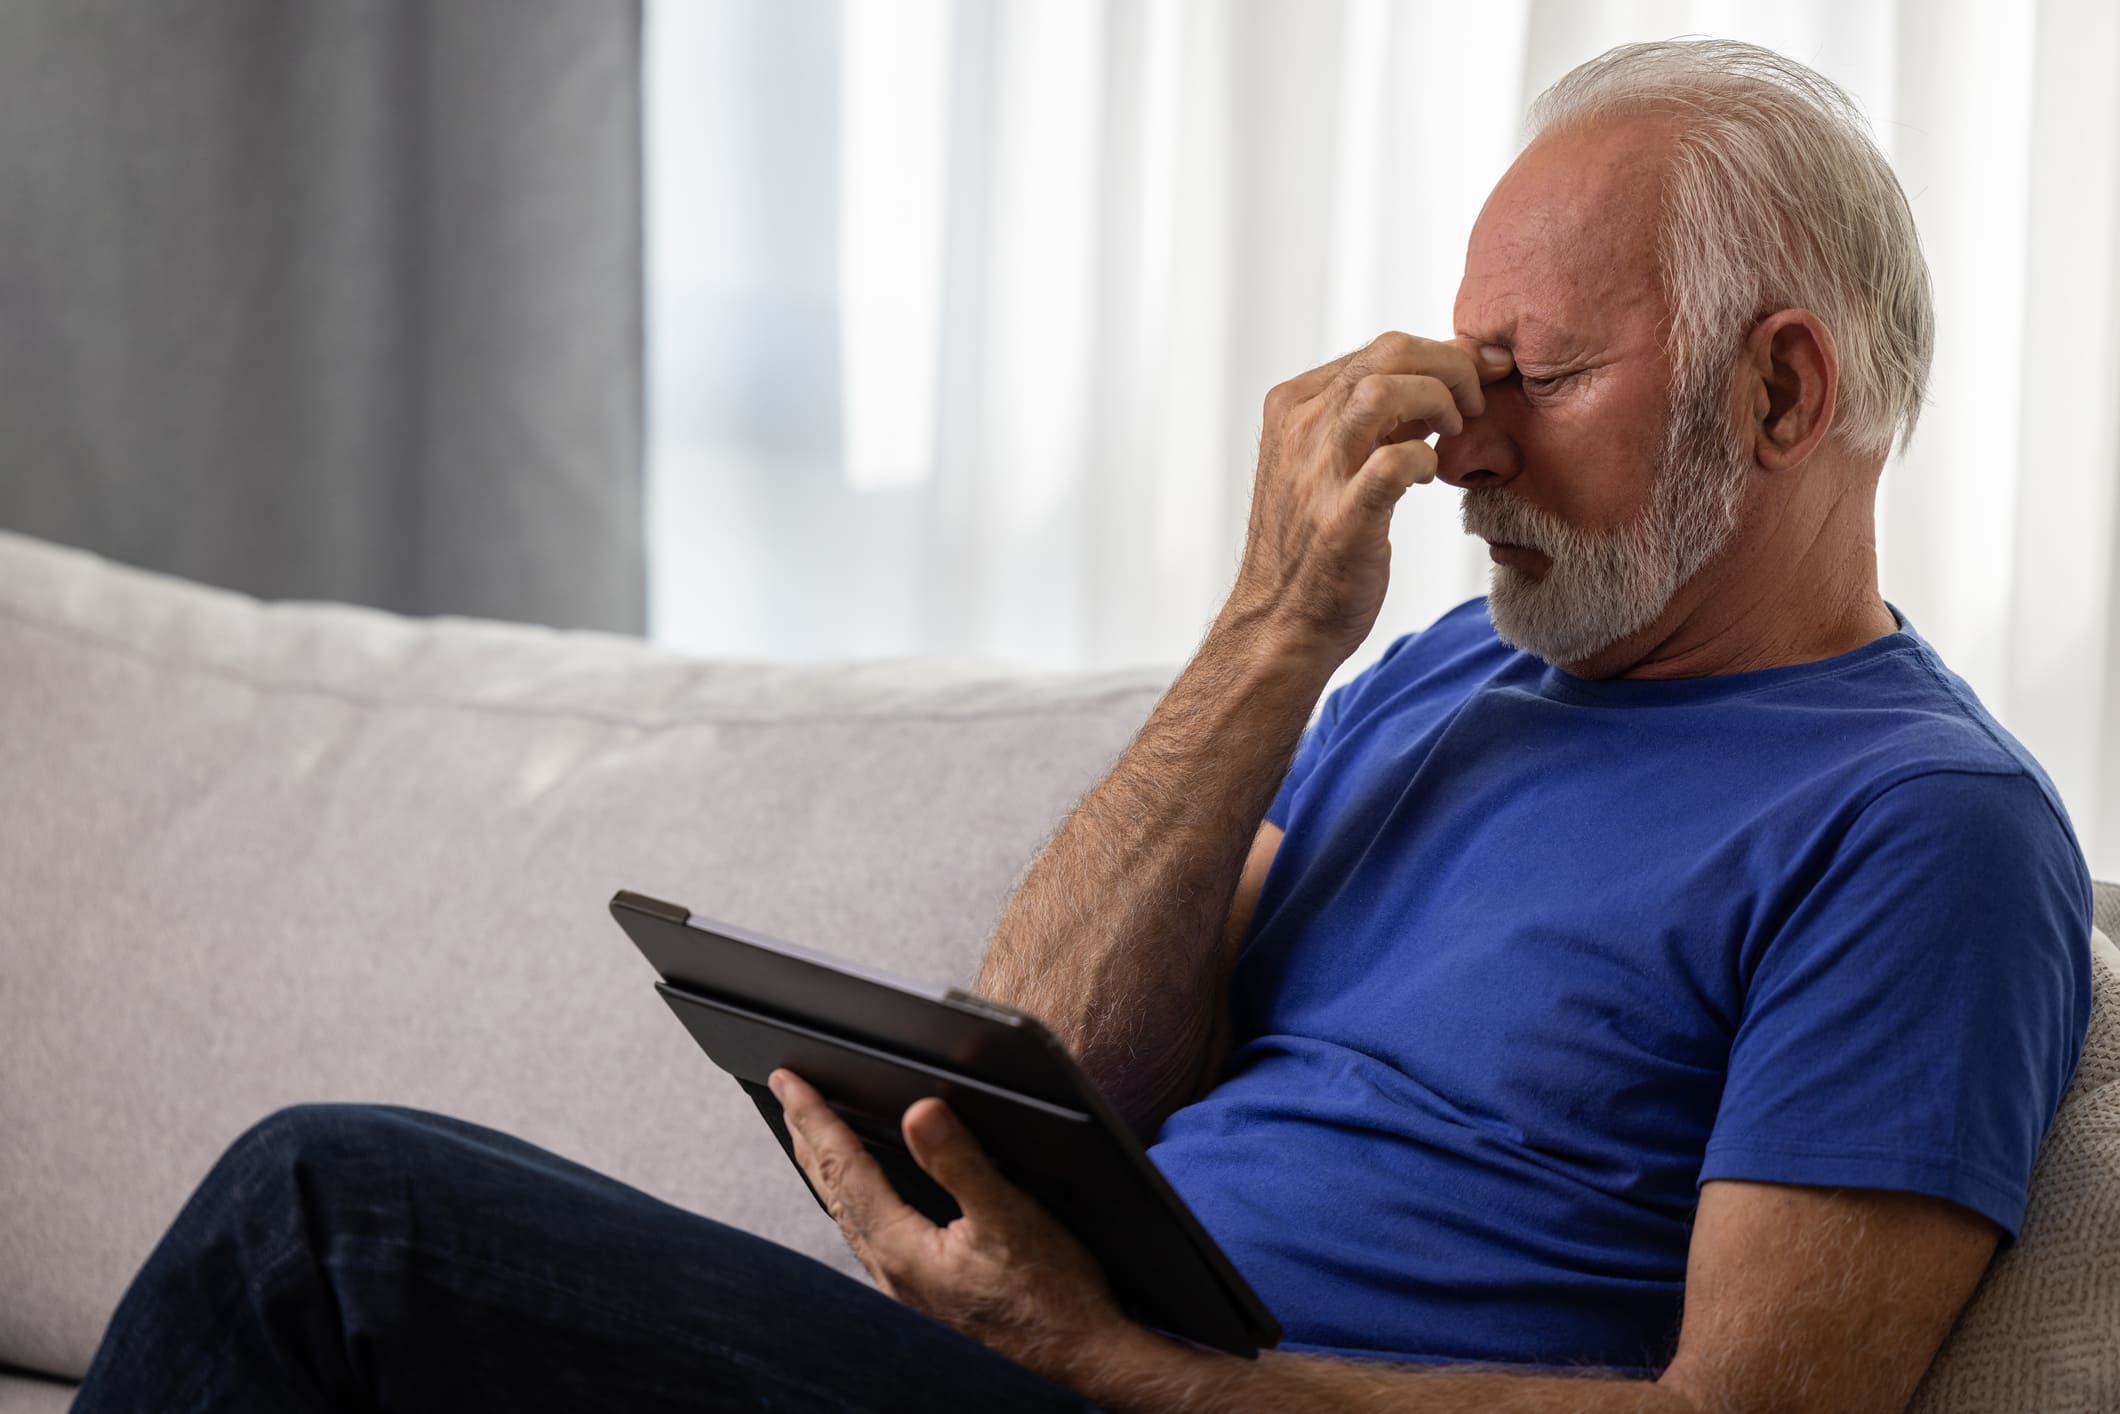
(1484, 452)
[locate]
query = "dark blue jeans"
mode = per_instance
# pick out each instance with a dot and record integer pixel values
(362, 1258)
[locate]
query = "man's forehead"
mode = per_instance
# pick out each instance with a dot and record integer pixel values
(1564, 249)
(1557, 284)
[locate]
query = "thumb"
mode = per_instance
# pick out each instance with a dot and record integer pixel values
(947, 1153)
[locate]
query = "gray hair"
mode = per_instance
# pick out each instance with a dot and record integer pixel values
(1777, 197)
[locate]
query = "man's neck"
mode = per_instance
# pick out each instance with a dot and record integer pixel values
(1716, 645)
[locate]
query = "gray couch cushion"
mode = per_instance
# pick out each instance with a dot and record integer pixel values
(23, 1394)
(257, 855)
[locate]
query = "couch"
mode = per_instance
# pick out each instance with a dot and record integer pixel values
(258, 854)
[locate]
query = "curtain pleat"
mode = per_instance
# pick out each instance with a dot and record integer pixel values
(331, 301)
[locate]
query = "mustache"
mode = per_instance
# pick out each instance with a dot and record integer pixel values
(1492, 513)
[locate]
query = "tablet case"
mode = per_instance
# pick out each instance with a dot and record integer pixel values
(873, 1044)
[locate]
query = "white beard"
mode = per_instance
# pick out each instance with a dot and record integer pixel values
(1602, 587)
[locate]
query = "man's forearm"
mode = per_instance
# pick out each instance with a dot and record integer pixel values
(1148, 1374)
(1112, 939)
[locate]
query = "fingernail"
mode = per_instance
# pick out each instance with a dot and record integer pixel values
(777, 1085)
(1494, 355)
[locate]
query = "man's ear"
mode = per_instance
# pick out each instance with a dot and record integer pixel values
(1791, 370)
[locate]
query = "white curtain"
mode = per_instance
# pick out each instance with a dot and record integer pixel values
(961, 311)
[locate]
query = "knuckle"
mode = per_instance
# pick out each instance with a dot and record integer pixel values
(1368, 397)
(1433, 398)
(1375, 493)
(884, 1265)
(1463, 376)
(1303, 425)
(1448, 415)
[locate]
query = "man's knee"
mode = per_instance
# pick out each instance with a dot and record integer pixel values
(306, 1155)
(311, 1136)
(290, 1181)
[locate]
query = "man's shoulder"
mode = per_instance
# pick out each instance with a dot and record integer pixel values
(1887, 715)
(1935, 795)
(1464, 634)
(1920, 719)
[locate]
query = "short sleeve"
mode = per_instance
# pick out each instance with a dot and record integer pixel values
(1315, 739)
(1914, 1022)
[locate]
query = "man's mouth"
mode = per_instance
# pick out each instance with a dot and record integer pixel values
(1517, 556)
(1492, 515)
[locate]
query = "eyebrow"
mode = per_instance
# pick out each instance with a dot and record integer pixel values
(1544, 332)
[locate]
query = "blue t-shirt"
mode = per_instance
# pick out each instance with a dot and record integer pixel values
(1539, 955)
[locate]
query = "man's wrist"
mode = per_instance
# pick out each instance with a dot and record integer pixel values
(1274, 642)
(1135, 1370)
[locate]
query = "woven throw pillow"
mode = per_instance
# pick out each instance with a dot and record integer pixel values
(2042, 1335)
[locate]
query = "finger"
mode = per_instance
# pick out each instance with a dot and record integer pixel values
(1454, 363)
(1407, 432)
(878, 1273)
(855, 1190)
(1382, 402)
(1491, 361)
(1388, 352)
(1389, 470)
(947, 1153)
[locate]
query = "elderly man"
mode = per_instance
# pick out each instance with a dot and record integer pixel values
(1660, 973)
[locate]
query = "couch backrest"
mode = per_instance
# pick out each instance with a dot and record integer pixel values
(2039, 1335)
(257, 855)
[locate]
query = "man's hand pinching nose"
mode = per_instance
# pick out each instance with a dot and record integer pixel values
(1340, 446)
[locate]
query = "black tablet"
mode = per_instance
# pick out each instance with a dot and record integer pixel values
(872, 1044)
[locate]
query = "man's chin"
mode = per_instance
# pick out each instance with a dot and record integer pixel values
(1536, 616)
